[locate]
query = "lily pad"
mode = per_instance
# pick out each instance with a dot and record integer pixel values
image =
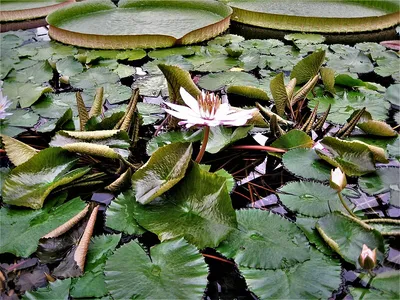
(182, 22)
(393, 94)
(120, 217)
(172, 270)
(58, 289)
(69, 66)
(383, 286)
(26, 94)
(318, 277)
(382, 181)
(217, 81)
(310, 198)
(172, 137)
(31, 182)
(30, 225)
(198, 208)
(305, 163)
(265, 240)
(92, 282)
(165, 168)
(293, 139)
(221, 137)
(346, 236)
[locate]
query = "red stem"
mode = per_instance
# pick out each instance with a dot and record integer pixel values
(256, 147)
(204, 144)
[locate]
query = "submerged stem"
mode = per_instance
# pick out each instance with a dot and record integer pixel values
(204, 144)
(345, 205)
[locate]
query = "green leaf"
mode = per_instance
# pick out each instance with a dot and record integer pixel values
(54, 105)
(305, 38)
(27, 93)
(69, 66)
(308, 67)
(265, 240)
(31, 182)
(151, 86)
(213, 62)
(343, 106)
(248, 92)
(22, 118)
(171, 137)
(305, 163)
(328, 78)
(217, 81)
(92, 282)
(172, 270)
(30, 225)
(394, 149)
(163, 53)
(124, 71)
(279, 94)
(307, 225)
(355, 158)
(293, 139)
(165, 168)
(120, 216)
(58, 289)
(221, 137)
(316, 278)
(381, 181)
(38, 73)
(349, 81)
(150, 113)
(393, 94)
(310, 198)
(346, 236)
(350, 61)
(199, 209)
(377, 128)
(94, 77)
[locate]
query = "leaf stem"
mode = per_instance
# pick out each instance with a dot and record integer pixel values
(204, 144)
(345, 205)
(256, 147)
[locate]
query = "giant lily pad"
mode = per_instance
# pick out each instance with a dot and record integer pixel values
(12, 10)
(316, 16)
(316, 278)
(198, 208)
(172, 22)
(346, 236)
(265, 240)
(172, 270)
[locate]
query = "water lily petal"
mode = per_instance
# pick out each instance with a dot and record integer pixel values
(189, 100)
(186, 111)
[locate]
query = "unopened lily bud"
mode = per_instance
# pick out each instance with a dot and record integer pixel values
(338, 180)
(367, 258)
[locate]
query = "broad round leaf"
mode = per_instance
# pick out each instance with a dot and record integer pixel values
(293, 139)
(382, 181)
(310, 198)
(198, 208)
(306, 163)
(393, 94)
(21, 229)
(316, 278)
(216, 81)
(58, 289)
(346, 237)
(120, 217)
(31, 182)
(173, 270)
(265, 240)
(165, 168)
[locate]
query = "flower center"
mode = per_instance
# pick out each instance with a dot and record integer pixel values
(209, 104)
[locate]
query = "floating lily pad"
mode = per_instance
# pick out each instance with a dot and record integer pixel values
(216, 81)
(306, 163)
(120, 217)
(26, 94)
(27, 10)
(165, 168)
(346, 237)
(198, 208)
(310, 198)
(30, 225)
(383, 286)
(58, 289)
(265, 240)
(92, 282)
(69, 66)
(31, 182)
(382, 181)
(171, 270)
(172, 137)
(393, 94)
(293, 139)
(221, 137)
(316, 16)
(54, 105)
(172, 22)
(318, 277)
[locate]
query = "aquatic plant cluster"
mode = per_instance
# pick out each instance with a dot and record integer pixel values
(235, 168)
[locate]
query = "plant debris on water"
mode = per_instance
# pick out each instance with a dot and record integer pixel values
(106, 196)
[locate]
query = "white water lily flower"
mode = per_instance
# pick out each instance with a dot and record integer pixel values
(208, 110)
(338, 179)
(4, 104)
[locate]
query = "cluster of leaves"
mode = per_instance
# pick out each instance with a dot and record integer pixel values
(185, 204)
